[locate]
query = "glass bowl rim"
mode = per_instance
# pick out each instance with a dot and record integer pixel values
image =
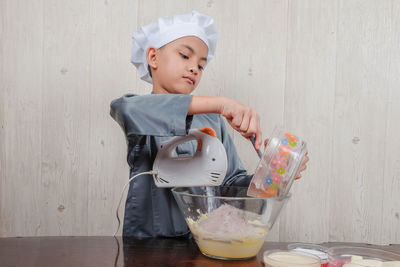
(311, 246)
(174, 190)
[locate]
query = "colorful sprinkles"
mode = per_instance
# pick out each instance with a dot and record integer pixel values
(279, 164)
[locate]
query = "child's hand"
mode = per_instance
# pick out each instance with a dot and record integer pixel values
(303, 166)
(243, 119)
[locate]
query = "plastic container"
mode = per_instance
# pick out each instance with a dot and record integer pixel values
(278, 166)
(284, 258)
(360, 256)
(225, 222)
(316, 250)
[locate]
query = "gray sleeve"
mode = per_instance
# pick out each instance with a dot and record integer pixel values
(155, 114)
(236, 175)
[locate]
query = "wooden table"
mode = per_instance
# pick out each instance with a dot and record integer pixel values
(109, 251)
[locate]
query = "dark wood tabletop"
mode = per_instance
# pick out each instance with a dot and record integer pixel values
(110, 251)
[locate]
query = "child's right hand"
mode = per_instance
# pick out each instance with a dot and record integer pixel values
(242, 118)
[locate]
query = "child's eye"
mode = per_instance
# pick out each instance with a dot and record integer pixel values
(201, 67)
(184, 56)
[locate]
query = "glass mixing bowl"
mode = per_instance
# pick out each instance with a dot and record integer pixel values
(225, 222)
(339, 256)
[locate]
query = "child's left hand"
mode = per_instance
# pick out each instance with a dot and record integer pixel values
(303, 166)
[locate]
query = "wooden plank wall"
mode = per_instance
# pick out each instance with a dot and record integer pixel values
(326, 70)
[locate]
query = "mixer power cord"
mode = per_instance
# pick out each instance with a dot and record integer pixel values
(122, 195)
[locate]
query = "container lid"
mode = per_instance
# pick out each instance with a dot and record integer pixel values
(317, 250)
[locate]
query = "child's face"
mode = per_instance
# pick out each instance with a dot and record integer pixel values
(179, 66)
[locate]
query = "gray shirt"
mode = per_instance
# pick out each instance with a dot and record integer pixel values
(148, 121)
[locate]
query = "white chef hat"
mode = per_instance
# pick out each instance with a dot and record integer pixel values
(166, 30)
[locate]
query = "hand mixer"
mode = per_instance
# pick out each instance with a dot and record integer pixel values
(207, 167)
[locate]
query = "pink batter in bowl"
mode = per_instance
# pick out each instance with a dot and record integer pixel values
(225, 222)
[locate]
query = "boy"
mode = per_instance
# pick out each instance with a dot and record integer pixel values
(171, 53)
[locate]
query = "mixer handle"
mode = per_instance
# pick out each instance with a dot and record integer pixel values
(194, 134)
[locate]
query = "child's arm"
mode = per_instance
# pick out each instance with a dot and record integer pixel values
(170, 114)
(156, 115)
(236, 174)
(243, 119)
